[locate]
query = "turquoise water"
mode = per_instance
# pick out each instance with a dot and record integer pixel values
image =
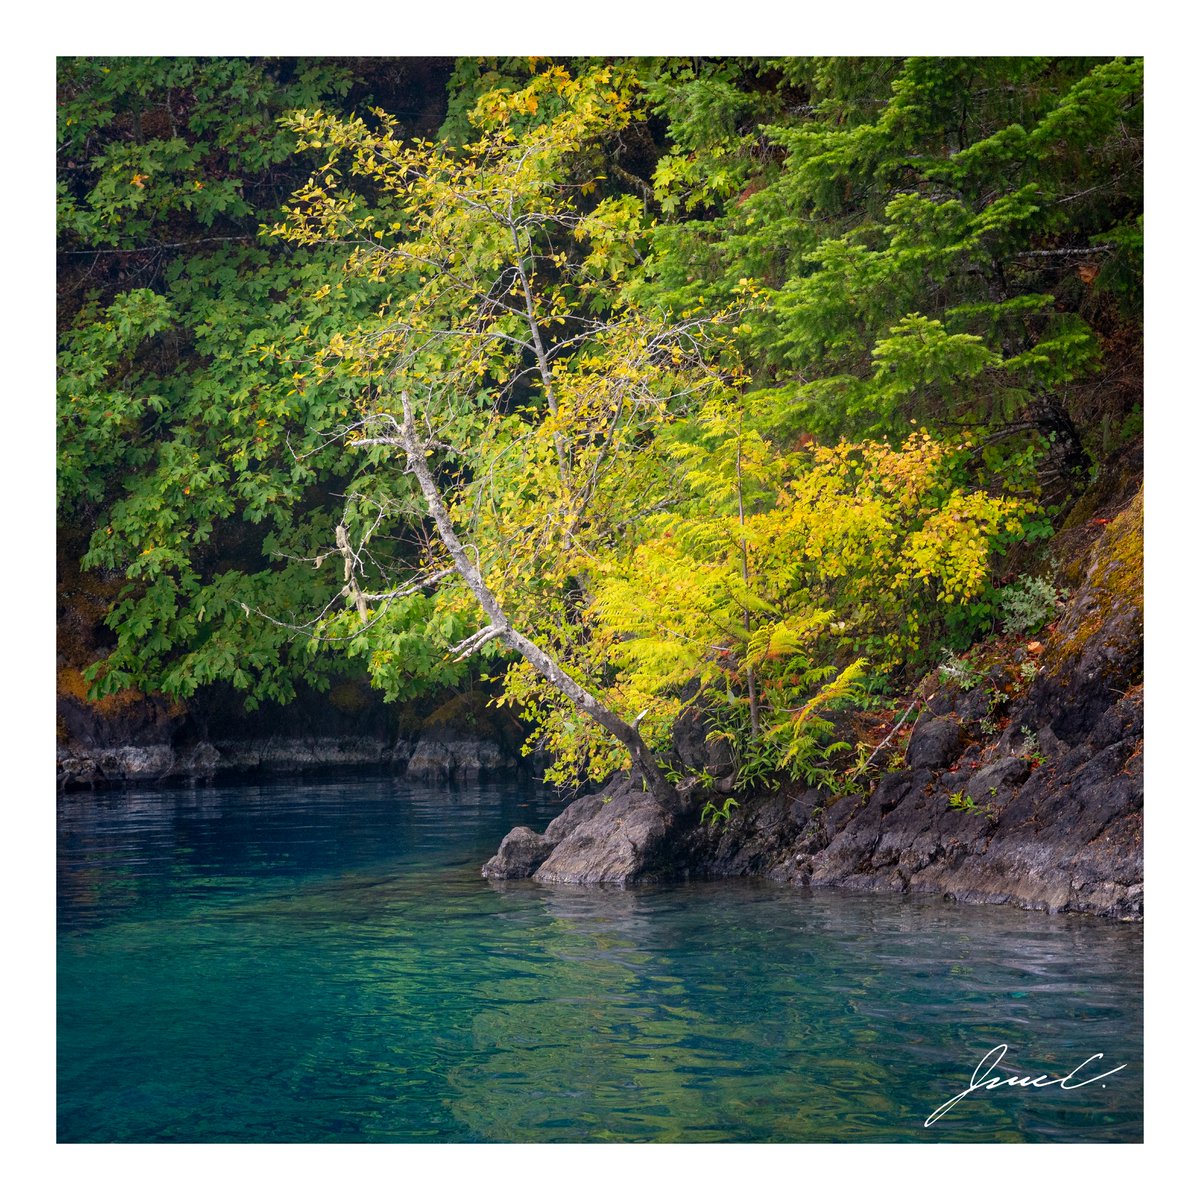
(301, 962)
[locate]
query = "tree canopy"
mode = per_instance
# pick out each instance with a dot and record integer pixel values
(643, 376)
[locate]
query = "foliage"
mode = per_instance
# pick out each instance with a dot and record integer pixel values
(861, 553)
(918, 226)
(962, 802)
(713, 813)
(145, 142)
(737, 370)
(959, 671)
(540, 383)
(1027, 605)
(1031, 747)
(188, 444)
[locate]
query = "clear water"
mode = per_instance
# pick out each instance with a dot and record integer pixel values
(301, 962)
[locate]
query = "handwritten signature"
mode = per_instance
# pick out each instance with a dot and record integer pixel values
(991, 1060)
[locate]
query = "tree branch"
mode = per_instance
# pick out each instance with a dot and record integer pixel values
(351, 589)
(500, 626)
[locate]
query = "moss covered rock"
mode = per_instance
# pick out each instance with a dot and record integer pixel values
(1094, 655)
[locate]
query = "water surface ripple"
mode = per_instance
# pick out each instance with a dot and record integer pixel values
(322, 962)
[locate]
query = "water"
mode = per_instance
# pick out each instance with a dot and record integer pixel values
(301, 962)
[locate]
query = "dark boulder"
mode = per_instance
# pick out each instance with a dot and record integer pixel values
(692, 744)
(519, 855)
(1005, 774)
(935, 743)
(620, 836)
(627, 840)
(573, 816)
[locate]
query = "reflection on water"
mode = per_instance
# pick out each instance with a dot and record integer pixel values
(322, 962)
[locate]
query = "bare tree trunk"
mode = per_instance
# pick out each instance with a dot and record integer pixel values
(499, 626)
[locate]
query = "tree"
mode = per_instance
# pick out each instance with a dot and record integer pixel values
(780, 579)
(584, 459)
(600, 344)
(513, 368)
(191, 464)
(942, 240)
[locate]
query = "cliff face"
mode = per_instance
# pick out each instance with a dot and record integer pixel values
(1025, 788)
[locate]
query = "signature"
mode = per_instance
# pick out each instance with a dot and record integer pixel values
(991, 1060)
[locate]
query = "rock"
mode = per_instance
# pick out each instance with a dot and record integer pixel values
(971, 707)
(200, 762)
(136, 763)
(279, 753)
(573, 816)
(1059, 835)
(621, 836)
(1050, 745)
(519, 855)
(691, 743)
(626, 840)
(935, 743)
(522, 851)
(1007, 773)
(464, 740)
(1062, 839)
(444, 757)
(1095, 653)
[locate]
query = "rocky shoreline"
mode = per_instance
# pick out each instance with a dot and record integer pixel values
(1024, 788)
(1022, 785)
(460, 741)
(1065, 836)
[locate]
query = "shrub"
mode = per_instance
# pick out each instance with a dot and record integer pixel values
(1027, 605)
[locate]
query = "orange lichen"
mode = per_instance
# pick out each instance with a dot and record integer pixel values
(72, 683)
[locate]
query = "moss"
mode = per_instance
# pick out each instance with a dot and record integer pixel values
(409, 720)
(1086, 507)
(467, 711)
(1111, 492)
(1120, 556)
(1109, 604)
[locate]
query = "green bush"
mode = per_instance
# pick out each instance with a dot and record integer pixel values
(1027, 605)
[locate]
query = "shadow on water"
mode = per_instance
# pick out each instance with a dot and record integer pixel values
(317, 962)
